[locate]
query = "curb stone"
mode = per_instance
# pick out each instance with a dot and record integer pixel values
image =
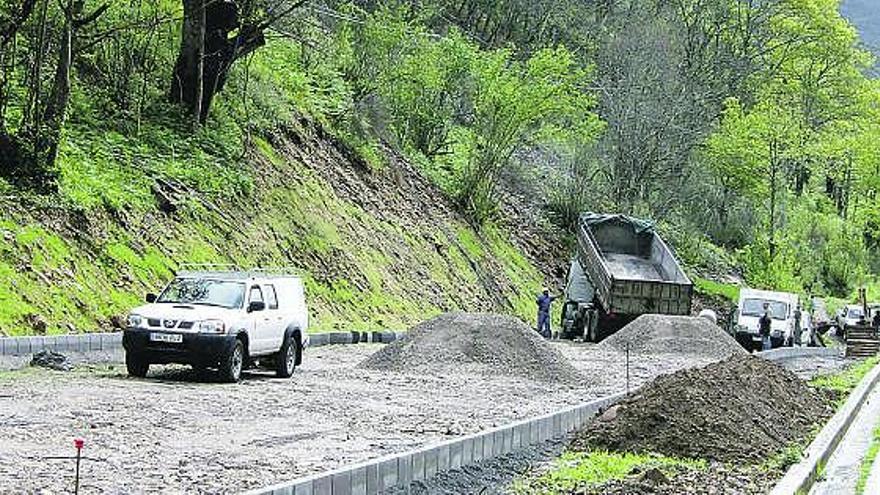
(801, 477)
(425, 462)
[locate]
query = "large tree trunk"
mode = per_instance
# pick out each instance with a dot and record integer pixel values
(207, 52)
(56, 106)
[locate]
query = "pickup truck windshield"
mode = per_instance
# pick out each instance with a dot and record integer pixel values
(855, 313)
(207, 292)
(755, 307)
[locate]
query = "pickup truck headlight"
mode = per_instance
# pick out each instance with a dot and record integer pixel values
(135, 321)
(212, 326)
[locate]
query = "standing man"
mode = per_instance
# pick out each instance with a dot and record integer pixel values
(544, 301)
(796, 335)
(764, 325)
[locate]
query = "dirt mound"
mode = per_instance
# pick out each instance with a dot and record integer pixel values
(742, 409)
(659, 334)
(479, 342)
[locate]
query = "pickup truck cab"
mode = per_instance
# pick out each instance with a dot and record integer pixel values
(224, 320)
(782, 307)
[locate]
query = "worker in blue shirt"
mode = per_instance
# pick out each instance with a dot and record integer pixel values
(544, 301)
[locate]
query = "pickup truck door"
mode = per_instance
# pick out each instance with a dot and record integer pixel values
(260, 335)
(273, 319)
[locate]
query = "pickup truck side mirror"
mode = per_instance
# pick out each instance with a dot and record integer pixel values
(256, 306)
(151, 298)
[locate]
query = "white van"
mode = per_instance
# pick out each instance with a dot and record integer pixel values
(782, 306)
(224, 320)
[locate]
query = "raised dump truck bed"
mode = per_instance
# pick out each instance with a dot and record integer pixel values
(630, 270)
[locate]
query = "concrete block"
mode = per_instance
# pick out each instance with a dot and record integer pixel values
(488, 444)
(430, 463)
(387, 474)
(455, 455)
(517, 436)
(4, 341)
(94, 342)
(284, 490)
(341, 483)
(304, 488)
(497, 443)
(557, 425)
(477, 451)
(443, 458)
(322, 486)
(24, 346)
(318, 340)
(507, 441)
(418, 465)
(467, 451)
(534, 431)
(359, 481)
(404, 470)
(372, 478)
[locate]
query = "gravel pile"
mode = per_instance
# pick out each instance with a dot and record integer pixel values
(475, 342)
(743, 409)
(664, 334)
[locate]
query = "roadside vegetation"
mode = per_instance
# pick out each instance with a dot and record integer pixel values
(868, 461)
(841, 384)
(577, 472)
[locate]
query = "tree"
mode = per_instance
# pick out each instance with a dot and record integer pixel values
(215, 34)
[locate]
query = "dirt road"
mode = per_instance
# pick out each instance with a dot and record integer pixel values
(172, 434)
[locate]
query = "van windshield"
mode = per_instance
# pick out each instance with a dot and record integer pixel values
(222, 293)
(855, 313)
(755, 307)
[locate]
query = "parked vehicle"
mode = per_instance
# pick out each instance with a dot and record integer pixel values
(622, 269)
(852, 315)
(228, 320)
(749, 310)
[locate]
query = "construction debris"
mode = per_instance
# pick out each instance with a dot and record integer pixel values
(51, 360)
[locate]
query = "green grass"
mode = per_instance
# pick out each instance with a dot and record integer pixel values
(788, 456)
(729, 292)
(868, 461)
(574, 472)
(842, 383)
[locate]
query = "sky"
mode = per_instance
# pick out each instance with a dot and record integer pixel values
(865, 15)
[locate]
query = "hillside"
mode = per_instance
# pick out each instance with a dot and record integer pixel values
(378, 248)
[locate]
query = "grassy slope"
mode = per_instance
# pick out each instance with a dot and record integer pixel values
(373, 254)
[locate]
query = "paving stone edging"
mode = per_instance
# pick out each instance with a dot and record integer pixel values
(783, 353)
(801, 477)
(24, 346)
(373, 477)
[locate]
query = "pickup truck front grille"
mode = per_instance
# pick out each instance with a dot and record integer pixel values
(153, 322)
(185, 325)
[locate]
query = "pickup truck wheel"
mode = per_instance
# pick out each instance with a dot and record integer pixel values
(286, 361)
(136, 365)
(230, 367)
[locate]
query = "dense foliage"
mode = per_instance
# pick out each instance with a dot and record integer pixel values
(746, 125)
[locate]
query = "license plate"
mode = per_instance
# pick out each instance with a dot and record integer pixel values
(172, 338)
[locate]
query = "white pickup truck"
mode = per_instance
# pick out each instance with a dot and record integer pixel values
(228, 320)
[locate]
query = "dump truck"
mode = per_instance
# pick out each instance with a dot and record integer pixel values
(621, 270)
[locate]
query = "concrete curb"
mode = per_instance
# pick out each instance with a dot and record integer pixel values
(372, 477)
(801, 477)
(25, 346)
(783, 353)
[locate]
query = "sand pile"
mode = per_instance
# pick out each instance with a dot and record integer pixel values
(743, 409)
(474, 342)
(660, 334)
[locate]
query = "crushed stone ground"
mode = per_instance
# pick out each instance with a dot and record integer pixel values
(743, 409)
(664, 334)
(479, 343)
(175, 432)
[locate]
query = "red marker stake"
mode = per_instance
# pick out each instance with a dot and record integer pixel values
(78, 443)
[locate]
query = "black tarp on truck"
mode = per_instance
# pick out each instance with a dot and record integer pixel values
(622, 269)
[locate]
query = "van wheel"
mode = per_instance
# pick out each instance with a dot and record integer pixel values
(230, 367)
(136, 365)
(285, 363)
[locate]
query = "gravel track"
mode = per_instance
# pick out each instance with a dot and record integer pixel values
(175, 433)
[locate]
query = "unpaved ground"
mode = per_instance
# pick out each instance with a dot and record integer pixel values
(172, 433)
